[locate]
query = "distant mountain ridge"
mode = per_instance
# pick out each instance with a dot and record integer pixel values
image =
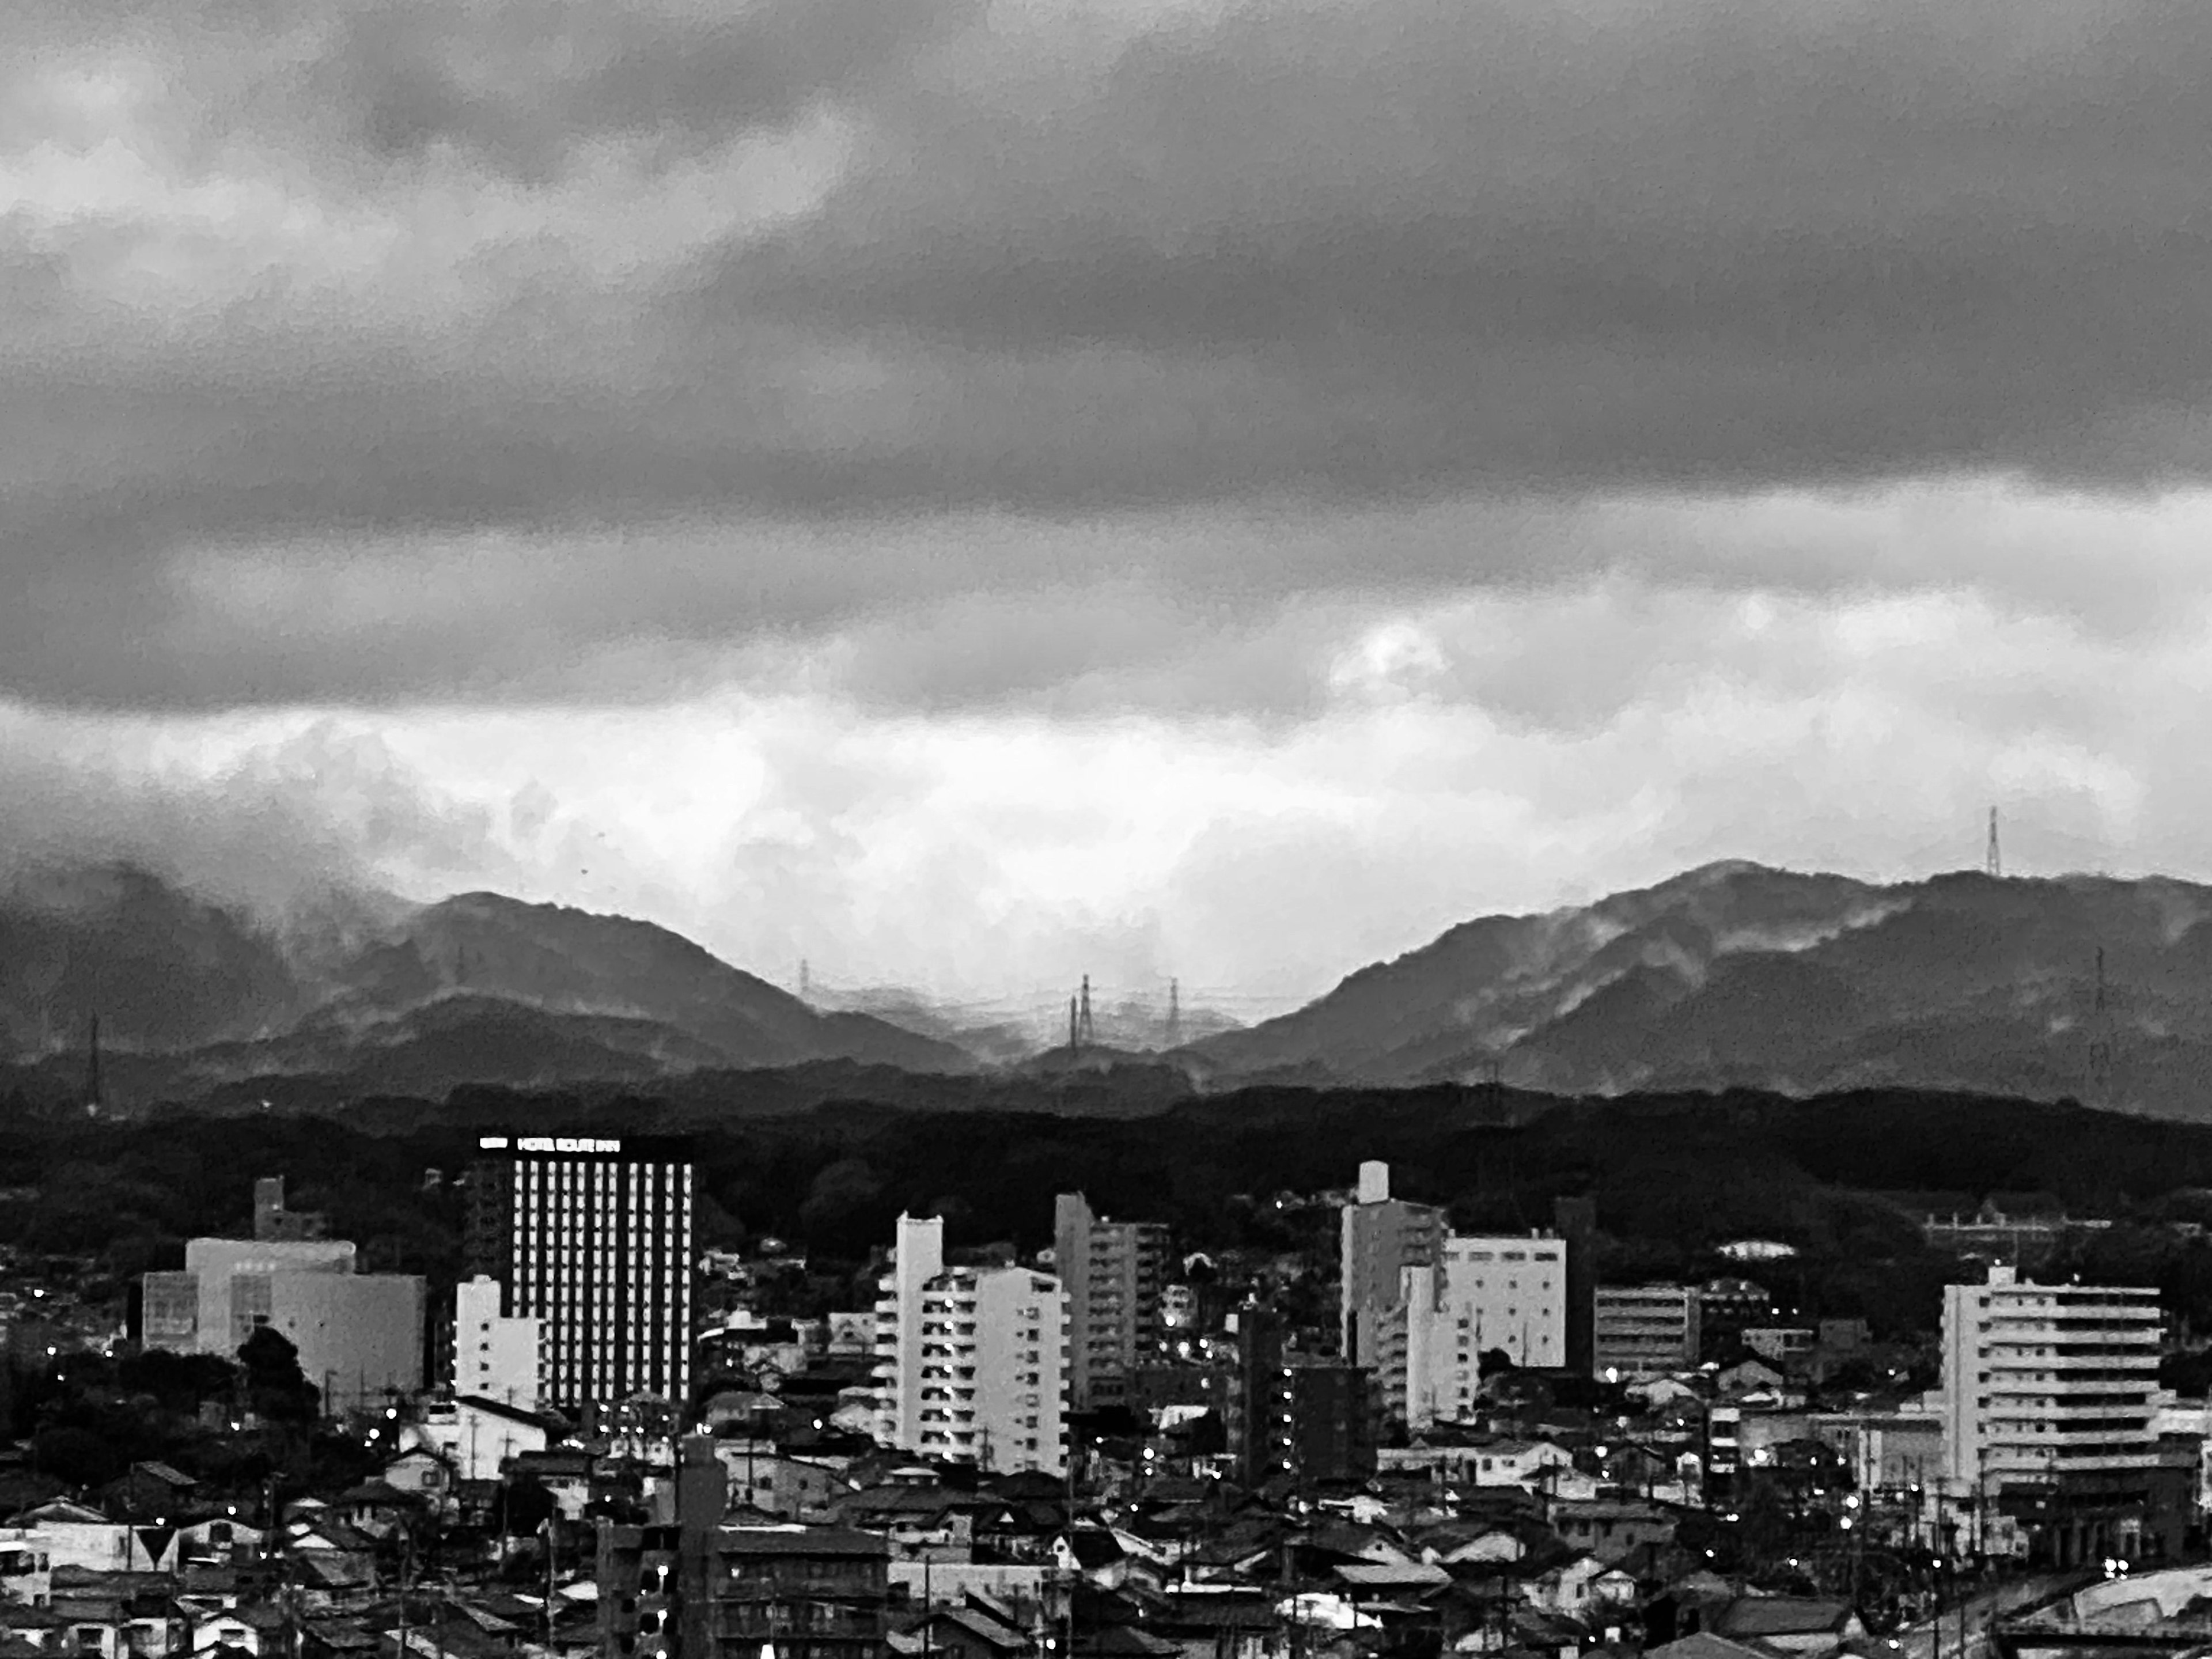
(1733, 975)
(478, 988)
(1736, 974)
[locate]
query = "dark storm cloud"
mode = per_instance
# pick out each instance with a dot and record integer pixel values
(1055, 277)
(1703, 243)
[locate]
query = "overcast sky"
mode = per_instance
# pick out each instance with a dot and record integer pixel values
(972, 491)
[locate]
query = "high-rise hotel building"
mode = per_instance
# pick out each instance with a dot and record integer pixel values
(590, 1236)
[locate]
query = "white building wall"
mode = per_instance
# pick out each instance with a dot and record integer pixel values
(1021, 1377)
(1509, 1293)
(970, 1365)
(917, 1257)
(220, 1262)
(496, 1355)
(476, 1442)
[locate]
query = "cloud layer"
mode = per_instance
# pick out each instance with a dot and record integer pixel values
(977, 491)
(493, 338)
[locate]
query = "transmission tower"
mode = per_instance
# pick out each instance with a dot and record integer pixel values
(2100, 1034)
(806, 979)
(1090, 1034)
(1175, 1014)
(1995, 863)
(94, 1098)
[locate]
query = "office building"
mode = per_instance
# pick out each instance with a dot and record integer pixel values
(1380, 1237)
(1113, 1273)
(496, 1356)
(2049, 1400)
(1645, 1330)
(590, 1235)
(701, 1590)
(359, 1336)
(1488, 1295)
(1301, 1416)
(970, 1361)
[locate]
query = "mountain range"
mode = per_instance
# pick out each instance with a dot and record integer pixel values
(193, 995)
(1735, 975)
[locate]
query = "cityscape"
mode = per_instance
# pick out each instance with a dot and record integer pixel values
(620, 1424)
(1105, 829)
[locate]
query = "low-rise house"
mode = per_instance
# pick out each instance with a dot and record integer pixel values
(423, 1472)
(33, 1626)
(788, 1488)
(1790, 1624)
(1096, 1553)
(1609, 1529)
(966, 1632)
(477, 1436)
(1516, 1463)
(25, 1568)
(256, 1630)
(1567, 1587)
(119, 1615)
(1225, 1622)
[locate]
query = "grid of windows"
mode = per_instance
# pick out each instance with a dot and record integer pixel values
(600, 1243)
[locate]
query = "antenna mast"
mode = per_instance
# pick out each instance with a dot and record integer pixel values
(1090, 1034)
(1994, 862)
(1175, 1014)
(806, 979)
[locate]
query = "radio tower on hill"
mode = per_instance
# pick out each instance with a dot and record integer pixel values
(95, 1095)
(2100, 1037)
(1175, 1014)
(1090, 1036)
(1995, 863)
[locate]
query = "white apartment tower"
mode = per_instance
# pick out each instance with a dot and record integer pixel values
(1421, 1305)
(1381, 1237)
(2049, 1389)
(970, 1362)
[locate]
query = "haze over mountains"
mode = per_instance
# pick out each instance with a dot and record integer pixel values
(1739, 975)
(1733, 974)
(476, 988)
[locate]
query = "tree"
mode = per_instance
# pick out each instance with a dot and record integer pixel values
(1492, 1362)
(275, 1385)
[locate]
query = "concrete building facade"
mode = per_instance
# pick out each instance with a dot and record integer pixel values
(360, 1336)
(1302, 1417)
(1507, 1294)
(1113, 1273)
(590, 1236)
(2049, 1405)
(971, 1363)
(496, 1356)
(1381, 1237)
(1645, 1330)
